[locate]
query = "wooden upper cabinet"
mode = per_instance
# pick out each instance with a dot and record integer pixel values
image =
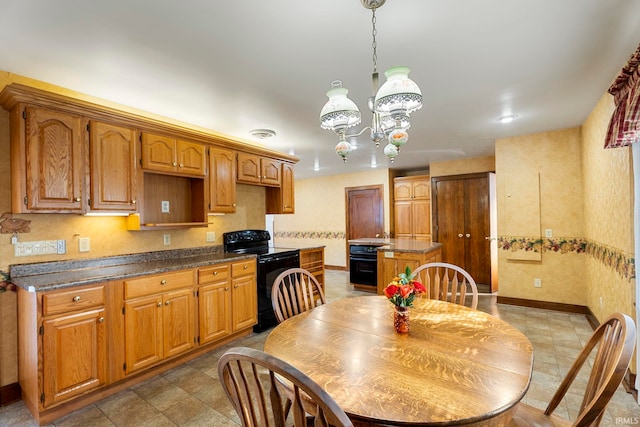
(253, 169)
(51, 162)
(281, 200)
(412, 207)
(412, 187)
(173, 156)
(222, 180)
(113, 168)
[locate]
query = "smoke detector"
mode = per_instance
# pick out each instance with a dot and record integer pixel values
(262, 133)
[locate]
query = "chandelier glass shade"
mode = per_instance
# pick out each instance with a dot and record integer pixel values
(399, 96)
(339, 113)
(391, 106)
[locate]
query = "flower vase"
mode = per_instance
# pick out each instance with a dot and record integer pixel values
(401, 319)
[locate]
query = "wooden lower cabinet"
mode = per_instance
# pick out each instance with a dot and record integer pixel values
(62, 345)
(391, 263)
(244, 295)
(79, 344)
(160, 325)
(74, 355)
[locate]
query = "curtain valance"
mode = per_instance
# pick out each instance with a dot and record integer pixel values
(624, 127)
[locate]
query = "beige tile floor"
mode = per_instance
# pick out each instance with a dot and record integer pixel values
(191, 395)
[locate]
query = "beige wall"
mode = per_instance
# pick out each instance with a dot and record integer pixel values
(320, 217)
(463, 166)
(608, 184)
(543, 174)
(108, 235)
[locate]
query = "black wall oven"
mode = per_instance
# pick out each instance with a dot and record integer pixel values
(271, 262)
(363, 265)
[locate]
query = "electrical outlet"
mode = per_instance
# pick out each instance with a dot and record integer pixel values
(164, 207)
(537, 283)
(61, 247)
(84, 244)
(548, 232)
(211, 236)
(167, 239)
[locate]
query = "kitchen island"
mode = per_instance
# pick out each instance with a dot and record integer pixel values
(394, 255)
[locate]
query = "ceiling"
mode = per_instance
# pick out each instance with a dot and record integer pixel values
(233, 66)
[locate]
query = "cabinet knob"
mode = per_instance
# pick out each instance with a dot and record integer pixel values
(159, 304)
(468, 235)
(460, 235)
(245, 267)
(234, 205)
(76, 298)
(226, 289)
(133, 202)
(215, 273)
(174, 164)
(235, 286)
(181, 165)
(76, 199)
(167, 303)
(100, 320)
(163, 282)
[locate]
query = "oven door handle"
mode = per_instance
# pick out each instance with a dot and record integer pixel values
(354, 258)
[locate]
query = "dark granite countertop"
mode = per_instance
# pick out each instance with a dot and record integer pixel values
(46, 276)
(399, 245)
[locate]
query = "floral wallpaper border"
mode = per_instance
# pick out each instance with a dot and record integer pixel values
(622, 263)
(325, 235)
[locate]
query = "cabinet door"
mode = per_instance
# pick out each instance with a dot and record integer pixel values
(421, 189)
(245, 302)
(248, 168)
(402, 190)
(191, 158)
(143, 332)
(158, 153)
(270, 172)
(287, 188)
(177, 322)
(214, 310)
(421, 219)
(222, 180)
(54, 161)
(113, 168)
(403, 220)
(74, 355)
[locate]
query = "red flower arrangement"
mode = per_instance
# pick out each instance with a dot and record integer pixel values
(403, 289)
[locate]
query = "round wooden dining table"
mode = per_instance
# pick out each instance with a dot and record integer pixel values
(456, 366)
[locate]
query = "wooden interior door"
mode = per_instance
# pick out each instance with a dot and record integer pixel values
(450, 219)
(462, 223)
(365, 218)
(477, 229)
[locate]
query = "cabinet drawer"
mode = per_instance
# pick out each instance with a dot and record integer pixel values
(243, 268)
(216, 273)
(72, 300)
(158, 283)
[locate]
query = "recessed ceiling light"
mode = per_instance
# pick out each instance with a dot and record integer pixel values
(507, 118)
(262, 133)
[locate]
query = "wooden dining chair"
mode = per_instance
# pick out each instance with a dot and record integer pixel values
(447, 282)
(295, 291)
(613, 342)
(251, 379)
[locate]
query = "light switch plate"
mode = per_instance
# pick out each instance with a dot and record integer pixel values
(164, 206)
(548, 232)
(211, 236)
(167, 239)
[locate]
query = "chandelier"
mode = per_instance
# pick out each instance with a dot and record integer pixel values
(390, 105)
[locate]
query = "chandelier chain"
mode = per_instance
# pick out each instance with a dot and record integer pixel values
(374, 44)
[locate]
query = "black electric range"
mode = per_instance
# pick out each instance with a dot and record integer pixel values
(271, 262)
